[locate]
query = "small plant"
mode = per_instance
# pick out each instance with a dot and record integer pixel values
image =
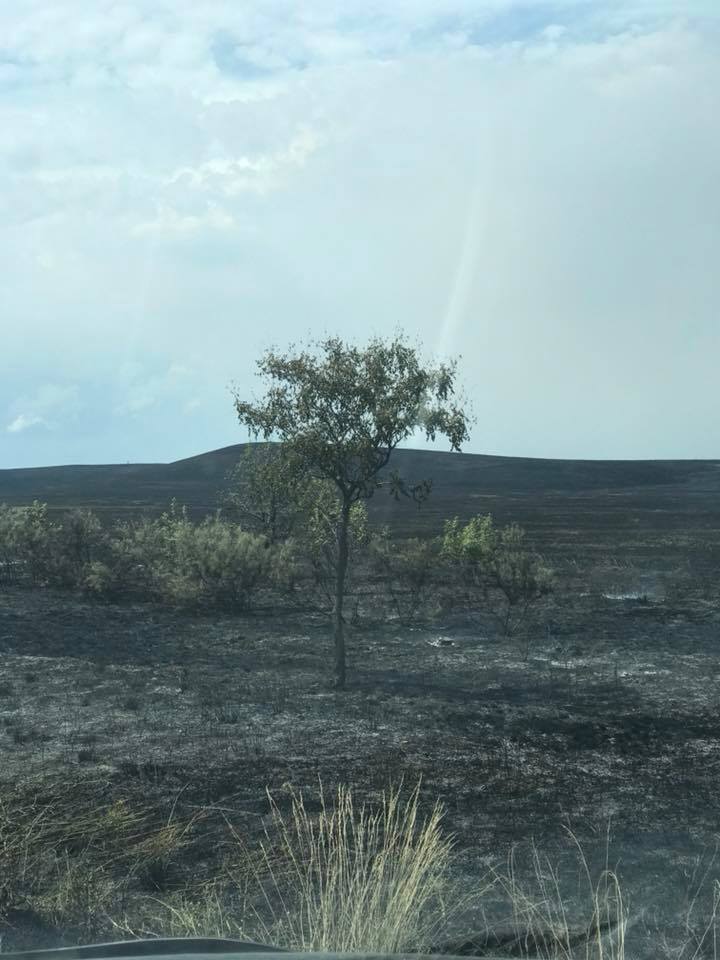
(493, 563)
(353, 880)
(98, 579)
(541, 921)
(43, 552)
(280, 696)
(226, 714)
(406, 571)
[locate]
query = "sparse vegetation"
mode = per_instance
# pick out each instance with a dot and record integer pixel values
(494, 562)
(170, 559)
(340, 416)
(323, 876)
(407, 572)
(265, 491)
(199, 683)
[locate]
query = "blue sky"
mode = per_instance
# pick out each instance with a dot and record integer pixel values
(530, 186)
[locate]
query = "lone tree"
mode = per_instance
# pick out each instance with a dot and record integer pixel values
(340, 416)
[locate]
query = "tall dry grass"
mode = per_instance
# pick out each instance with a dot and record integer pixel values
(347, 879)
(328, 876)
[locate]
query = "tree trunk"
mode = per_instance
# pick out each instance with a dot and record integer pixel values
(339, 623)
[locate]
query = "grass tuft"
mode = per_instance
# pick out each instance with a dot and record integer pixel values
(342, 879)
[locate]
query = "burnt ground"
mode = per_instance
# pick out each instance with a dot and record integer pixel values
(612, 718)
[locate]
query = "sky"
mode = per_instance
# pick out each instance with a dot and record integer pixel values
(528, 187)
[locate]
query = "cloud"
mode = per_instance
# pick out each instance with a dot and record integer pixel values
(24, 422)
(49, 405)
(141, 392)
(168, 222)
(233, 175)
(530, 184)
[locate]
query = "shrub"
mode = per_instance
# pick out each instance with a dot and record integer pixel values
(79, 540)
(265, 491)
(355, 880)
(42, 552)
(27, 542)
(218, 560)
(407, 571)
(69, 549)
(286, 568)
(494, 563)
(172, 559)
(12, 569)
(144, 554)
(98, 579)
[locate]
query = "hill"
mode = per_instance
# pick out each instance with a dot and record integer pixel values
(565, 505)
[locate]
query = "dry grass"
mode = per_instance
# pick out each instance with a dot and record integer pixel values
(342, 881)
(326, 877)
(358, 880)
(542, 922)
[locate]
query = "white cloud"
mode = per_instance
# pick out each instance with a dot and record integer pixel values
(24, 422)
(234, 175)
(168, 221)
(141, 392)
(49, 405)
(529, 184)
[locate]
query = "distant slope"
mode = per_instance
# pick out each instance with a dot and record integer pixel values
(560, 502)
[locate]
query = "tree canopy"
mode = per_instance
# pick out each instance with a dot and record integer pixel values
(340, 411)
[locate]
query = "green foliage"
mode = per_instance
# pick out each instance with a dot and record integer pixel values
(316, 539)
(80, 536)
(286, 569)
(222, 562)
(26, 540)
(493, 560)
(144, 554)
(169, 559)
(339, 416)
(78, 540)
(172, 559)
(320, 514)
(263, 490)
(11, 566)
(342, 414)
(407, 571)
(98, 579)
(36, 550)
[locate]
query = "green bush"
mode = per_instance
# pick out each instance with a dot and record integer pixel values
(265, 491)
(493, 562)
(172, 559)
(143, 554)
(77, 541)
(167, 559)
(136, 559)
(407, 571)
(12, 569)
(27, 542)
(98, 579)
(286, 568)
(220, 561)
(42, 552)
